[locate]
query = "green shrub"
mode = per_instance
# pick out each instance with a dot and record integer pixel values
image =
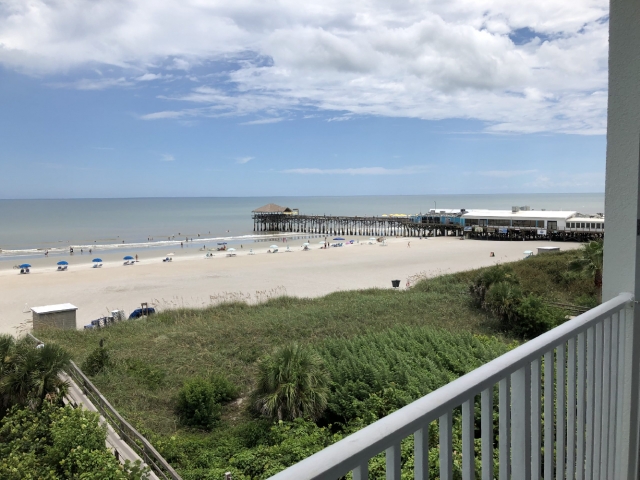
(97, 361)
(292, 383)
(224, 390)
(58, 442)
(502, 299)
(535, 317)
(488, 277)
(197, 405)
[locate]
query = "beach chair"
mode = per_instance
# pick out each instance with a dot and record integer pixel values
(251, 252)
(59, 268)
(64, 267)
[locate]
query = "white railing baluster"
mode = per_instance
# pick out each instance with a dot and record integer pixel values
(549, 418)
(606, 386)
(446, 459)
(581, 403)
(361, 472)
(393, 459)
(486, 426)
(613, 397)
(560, 409)
(591, 358)
(521, 422)
(597, 401)
(421, 453)
(571, 409)
(622, 343)
(504, 406)
(468, 463)
(536, 421)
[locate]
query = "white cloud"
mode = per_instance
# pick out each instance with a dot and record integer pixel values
(148, 77)
(167, 157)
(410, 170)
(424, 59)
(263, 121)
(243, 160)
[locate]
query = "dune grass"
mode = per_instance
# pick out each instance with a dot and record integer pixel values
(153, 357)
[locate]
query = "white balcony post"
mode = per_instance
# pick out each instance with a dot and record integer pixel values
(622, 208)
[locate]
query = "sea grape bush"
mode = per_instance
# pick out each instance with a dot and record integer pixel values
(200, 401)
(58, 443)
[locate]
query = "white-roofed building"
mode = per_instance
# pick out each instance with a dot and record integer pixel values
(516, 218)
(55, 316)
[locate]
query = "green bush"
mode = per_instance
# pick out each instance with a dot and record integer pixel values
(224, 390)
(488, 277)
(58, 443)
(535, 317)
(97, 361)
(292, 383)
(502, 299)
(197, 405)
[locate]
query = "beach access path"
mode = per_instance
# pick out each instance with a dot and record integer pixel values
(191, 280)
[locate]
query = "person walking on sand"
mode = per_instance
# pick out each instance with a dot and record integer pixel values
(408, 244)
(181, 245)
(136, 257)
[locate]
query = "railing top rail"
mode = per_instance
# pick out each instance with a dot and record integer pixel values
(343, 456)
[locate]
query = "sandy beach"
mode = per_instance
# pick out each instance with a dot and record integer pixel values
(191, 280)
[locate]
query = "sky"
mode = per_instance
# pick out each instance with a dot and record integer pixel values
(143, 98)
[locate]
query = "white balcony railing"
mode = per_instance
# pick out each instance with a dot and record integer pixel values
(572, 376)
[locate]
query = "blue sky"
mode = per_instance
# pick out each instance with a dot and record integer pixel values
(268, 99)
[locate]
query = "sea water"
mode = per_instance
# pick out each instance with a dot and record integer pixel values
(30, 227)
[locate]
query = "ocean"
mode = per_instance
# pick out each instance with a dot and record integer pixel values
(29, 227)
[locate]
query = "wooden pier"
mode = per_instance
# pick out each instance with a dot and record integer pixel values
(273, 218)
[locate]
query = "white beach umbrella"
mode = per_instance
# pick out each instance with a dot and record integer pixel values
(305, 244)
(170, 254)
(231, 249)
(274, 246)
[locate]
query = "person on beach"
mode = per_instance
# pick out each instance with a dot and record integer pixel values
(181, 246)
(46, 253)
(408, 244)
(136, 257)
(89, 251)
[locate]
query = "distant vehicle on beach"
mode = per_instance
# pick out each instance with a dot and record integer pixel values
(140, 312)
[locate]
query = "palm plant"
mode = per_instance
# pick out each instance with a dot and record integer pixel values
(590, 262)
(292, 383)
(28, 374)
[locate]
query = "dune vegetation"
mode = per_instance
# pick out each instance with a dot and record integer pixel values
(215, 389)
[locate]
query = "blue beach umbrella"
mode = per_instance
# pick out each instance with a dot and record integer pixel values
(25, 265)
(97, 260)
(222, 243)
(128, 257)
(62, 262)
(338, 238)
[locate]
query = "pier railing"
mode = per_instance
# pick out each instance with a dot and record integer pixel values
(559, 413)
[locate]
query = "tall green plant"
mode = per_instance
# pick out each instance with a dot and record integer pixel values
(28, 375)
(591, 262)
(292, 383)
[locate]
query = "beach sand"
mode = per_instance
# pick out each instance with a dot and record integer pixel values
(191, 280)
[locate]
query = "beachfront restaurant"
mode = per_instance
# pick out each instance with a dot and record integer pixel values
(518, 218)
